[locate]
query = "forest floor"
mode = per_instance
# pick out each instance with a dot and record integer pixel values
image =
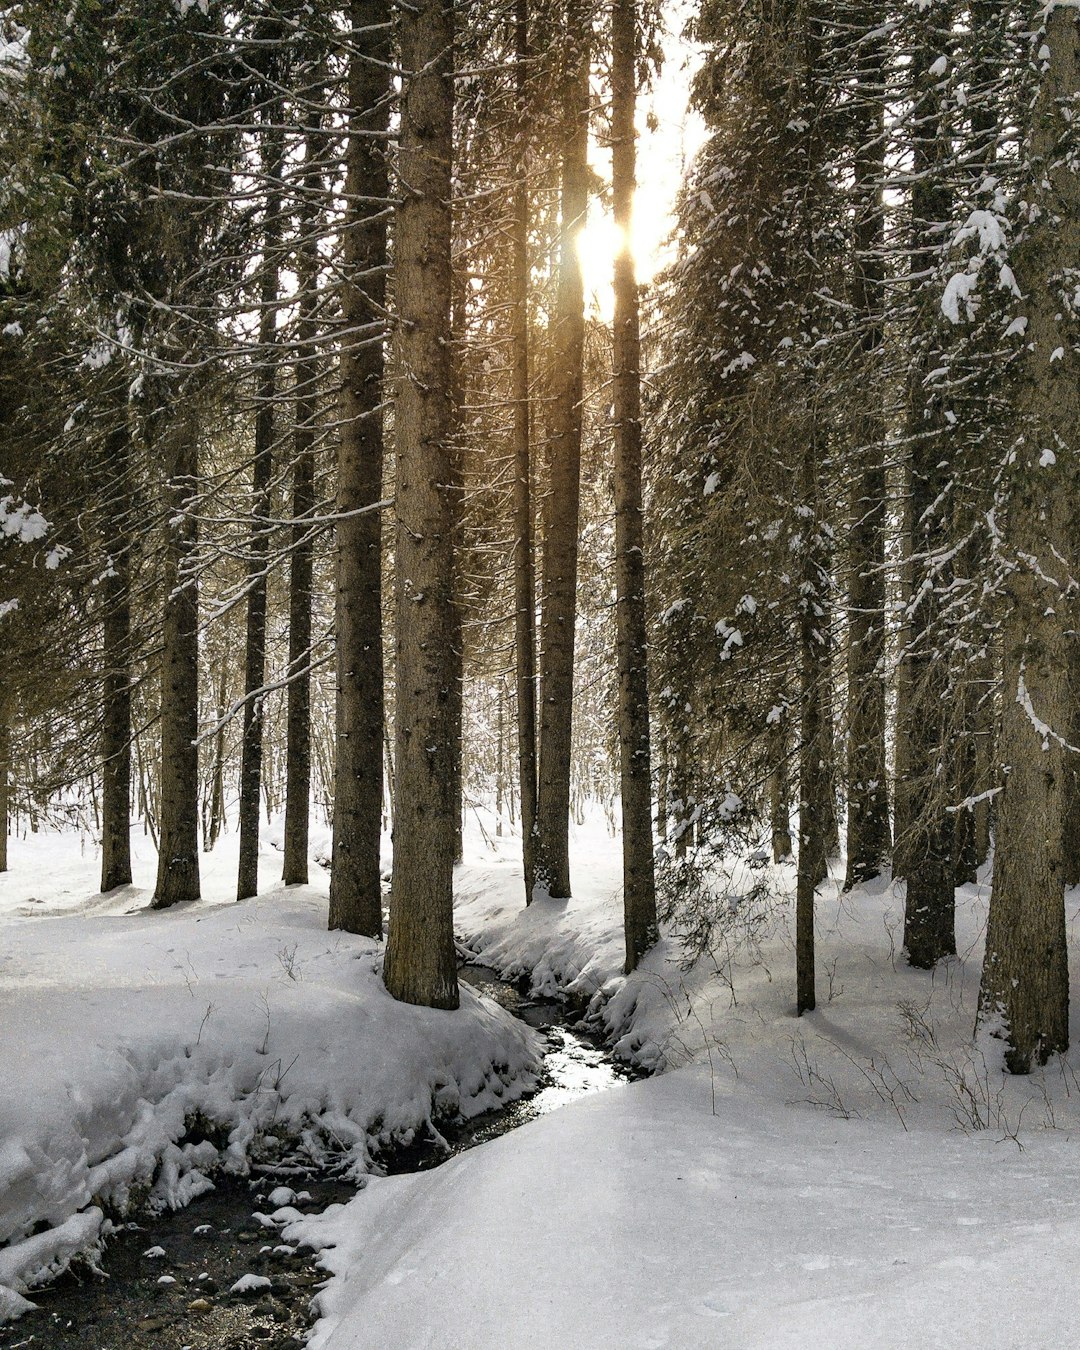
(865, 1175)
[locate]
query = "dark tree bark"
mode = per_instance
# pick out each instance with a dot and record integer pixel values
(559, 594)
(524, 578)
(779, 790)
(1025, 979)
(5, 783)
(867, 786)
(214, 819)
(116, 691)
(814, 783)
(639, 887)
(251, 745)
(420, 964)
(458, 322)
(178, 806)
(929, 913)
(355, 879)
(301, 561)
(1071, 828)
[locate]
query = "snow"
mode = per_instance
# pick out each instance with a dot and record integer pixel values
(783, 1182)
(251, 1284)
(863, 1175)
(123, 1026)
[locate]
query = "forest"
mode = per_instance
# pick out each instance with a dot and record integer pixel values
(583, 491)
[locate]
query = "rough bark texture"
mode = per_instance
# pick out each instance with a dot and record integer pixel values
(458, 329)
(420, 962)
(214, 809)
(1071, 828)
(301, 563)
(779, 791)
(355, 881)
(929, 915)
(247, 877)
(814, 784)
(639, 888)
(116, 683)
(867, 786)
(524, 577)
(559, 604)
(1025, 984)
(5, 784)
(178, 807)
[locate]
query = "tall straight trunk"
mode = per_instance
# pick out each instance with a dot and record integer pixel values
(178, 805)
(251, 745)
(1025, 979)
(458, 322)
(559, 593)
(355, 879)
(867, 786)
(929, 912)
(116, 684)
(814, 782)
(1071, 826)
(635, 774)
(524, 579)
(5, 783)
(779, 790)
(301, 561)
(215, 815)
(420, 965)
(301, 564)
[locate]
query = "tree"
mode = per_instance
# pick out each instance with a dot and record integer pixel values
(420, 964)
(1025, 982)
(355, 881)
(639, 894)
(561, 508)
(247, 883)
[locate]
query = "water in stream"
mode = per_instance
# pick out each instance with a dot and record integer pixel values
(180, 1297)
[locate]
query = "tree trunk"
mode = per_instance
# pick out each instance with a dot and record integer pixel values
(1025, 980)
(639, 887)
(178, 805)
(559, 609)
(458, 329)
(301, 561)
(814, 785)
(116, 659)
(215, 818)
(524, 579)
(867, 786)
(5, 784)
(929, 912)
(420, 965)
(355, 878)
(251, 745)
(1071, 835)
(779, 790)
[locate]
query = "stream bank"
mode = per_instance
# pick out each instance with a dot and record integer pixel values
(167, 1280)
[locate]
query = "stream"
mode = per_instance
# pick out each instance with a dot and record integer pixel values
(168, 1277)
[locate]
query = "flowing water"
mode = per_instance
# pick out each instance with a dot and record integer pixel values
(166, 1279)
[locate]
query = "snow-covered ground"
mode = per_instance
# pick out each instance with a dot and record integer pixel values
(862, 1176)
(129, 1035)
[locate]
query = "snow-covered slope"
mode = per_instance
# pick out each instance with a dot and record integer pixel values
(129, 1036)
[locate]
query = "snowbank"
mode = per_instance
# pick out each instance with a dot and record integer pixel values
(142, 1049)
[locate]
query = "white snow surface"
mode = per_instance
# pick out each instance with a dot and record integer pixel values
(122, 1024)
(863, 1176)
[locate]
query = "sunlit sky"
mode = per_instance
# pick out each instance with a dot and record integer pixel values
(662, 155)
